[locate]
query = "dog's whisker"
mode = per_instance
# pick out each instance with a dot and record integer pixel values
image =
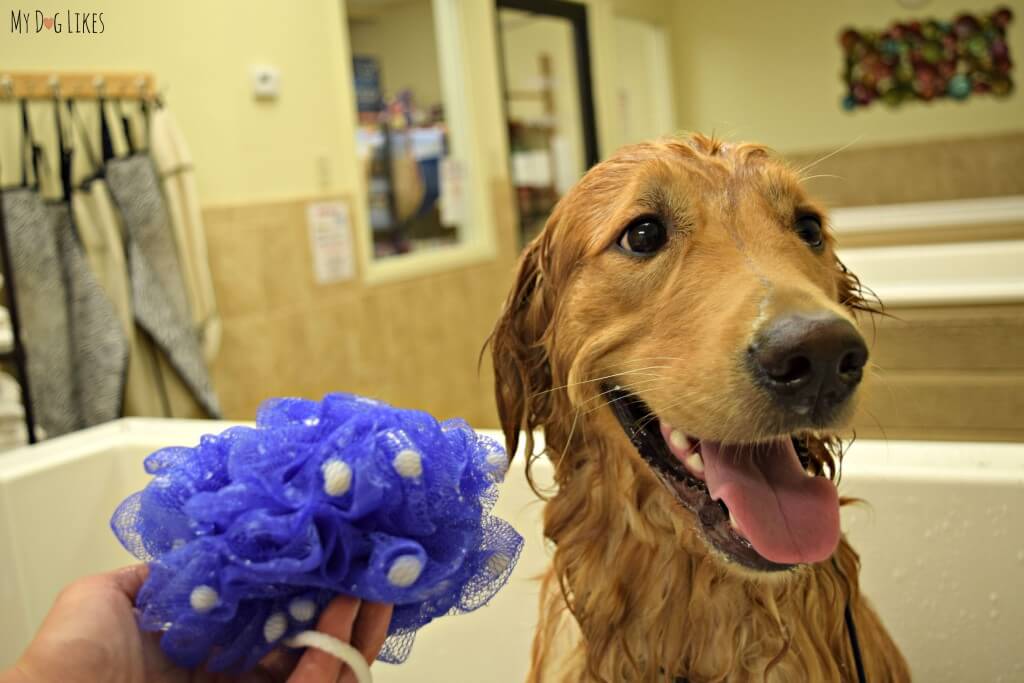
(613, 400)
(568, 441)
(829, 155)
(647, 383)
(882, 381)
(652, 416)
(648, 359)
(643, 377)
(643, 359)
(651, 358)
(599, 379)
(649, 380)
(878, 423)
(875, 369)
(602, 405)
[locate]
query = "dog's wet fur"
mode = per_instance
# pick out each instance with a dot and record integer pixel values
(637, 591)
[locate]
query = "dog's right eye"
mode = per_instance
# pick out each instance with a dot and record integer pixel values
(643, 236)
(809, 229)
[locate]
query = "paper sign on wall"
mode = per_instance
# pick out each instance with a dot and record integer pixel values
(453, 192)
(330, 241)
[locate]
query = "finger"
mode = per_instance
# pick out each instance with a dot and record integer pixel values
(316, 666)
(125, 581)
(371, 628)
(280, 663)
(369, 633)
(259, 675)
(129, 580)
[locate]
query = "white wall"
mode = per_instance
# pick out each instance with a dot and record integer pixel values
(644, 87)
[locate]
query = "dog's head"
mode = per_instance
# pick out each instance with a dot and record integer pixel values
(691, 288)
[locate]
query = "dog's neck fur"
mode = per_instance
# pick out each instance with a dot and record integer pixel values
(653, 603)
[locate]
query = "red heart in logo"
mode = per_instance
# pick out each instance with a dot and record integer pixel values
(48, 22)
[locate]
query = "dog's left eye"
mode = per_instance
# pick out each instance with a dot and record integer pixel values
(643, 236)
(809, 229)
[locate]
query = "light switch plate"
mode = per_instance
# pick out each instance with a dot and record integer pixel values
(266, 82)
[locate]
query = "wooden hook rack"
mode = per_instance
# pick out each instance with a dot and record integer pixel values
(77, 85)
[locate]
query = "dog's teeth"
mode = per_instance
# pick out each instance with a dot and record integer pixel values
(678, 440)
(695, 463)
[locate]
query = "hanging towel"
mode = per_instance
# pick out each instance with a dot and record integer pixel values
(154, 388)
(158, 294)
(174, 163)
(97, 223)
(98, 345)
(100, 233)
(100, 230)
(98, 348)
(41, 291)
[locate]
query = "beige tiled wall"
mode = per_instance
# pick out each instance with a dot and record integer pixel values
(946, 373)
(414, 343)
(960, 168)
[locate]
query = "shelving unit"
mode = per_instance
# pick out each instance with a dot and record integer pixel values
(536, 200)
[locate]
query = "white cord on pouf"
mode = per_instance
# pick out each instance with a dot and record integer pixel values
(337, 648)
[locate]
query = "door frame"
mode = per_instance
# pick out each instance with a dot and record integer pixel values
(576, 13)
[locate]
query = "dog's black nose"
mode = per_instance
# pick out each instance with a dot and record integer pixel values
(809, 362)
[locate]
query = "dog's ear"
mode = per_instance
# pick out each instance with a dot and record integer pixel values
(522, 371)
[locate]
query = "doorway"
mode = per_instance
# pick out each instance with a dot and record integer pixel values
(549, 105)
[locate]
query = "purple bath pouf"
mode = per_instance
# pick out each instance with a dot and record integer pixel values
(251, 533)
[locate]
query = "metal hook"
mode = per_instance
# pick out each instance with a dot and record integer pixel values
(8, 86)
(55, 86)
(141, 83)
(101, 86)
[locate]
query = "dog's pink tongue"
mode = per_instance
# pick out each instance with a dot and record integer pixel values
(787, 516)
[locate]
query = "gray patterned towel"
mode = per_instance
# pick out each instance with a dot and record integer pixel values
(98, 346)
(42, 295)
(158, 293)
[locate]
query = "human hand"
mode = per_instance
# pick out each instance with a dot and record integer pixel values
(91, 634)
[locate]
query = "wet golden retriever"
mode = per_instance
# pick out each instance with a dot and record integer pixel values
(683, 334)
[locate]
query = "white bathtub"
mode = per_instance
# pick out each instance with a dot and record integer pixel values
(942, 545)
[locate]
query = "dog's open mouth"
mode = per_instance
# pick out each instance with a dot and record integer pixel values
(756, 503)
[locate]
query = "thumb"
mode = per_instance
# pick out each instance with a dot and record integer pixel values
(128, 580)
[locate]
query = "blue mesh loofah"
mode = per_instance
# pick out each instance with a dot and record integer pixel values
(252, 532)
